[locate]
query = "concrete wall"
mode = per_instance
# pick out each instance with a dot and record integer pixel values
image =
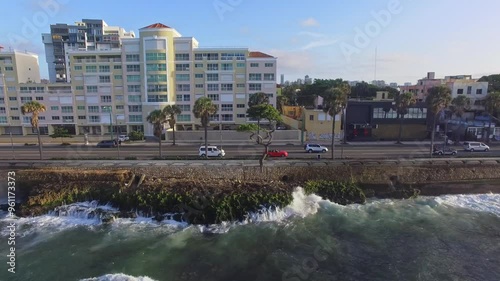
(391, 131)
(214, 136)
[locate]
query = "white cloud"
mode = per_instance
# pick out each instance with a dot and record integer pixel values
(309, 22)
(320, 40)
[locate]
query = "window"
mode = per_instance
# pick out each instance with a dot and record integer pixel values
(82, 117)
(469, 90)
(68, 119)
(94, 119)
(133, 78)
(240, 105)
(119, 107)
(56, 118)
(135, 108)
(90, 68)
(185, 107)
(199, 86)
(79, 88)
(117, 67)
(133, 68)
(254, 76)
(66, 109)
(157, 88)
(106, 109)
(118, 77)
(226, 107)
(80, 107)
(181, 57)
(268, 76)
(212, 66)
(133, 57)
(14, 108)
(198, 75)
(178, 97)
(54, 108)
(460, 91)
(91, 89)
(12, 98)
(156, 56)
(227, 117)
(212, 77)
(240, 64)
(226, 87)
(15, 117)
(254, 64)
(156, 67)
(78, 67)
(9, 68)
(104, 68)
(157, 98)
(105, 98)
(240, 85)
(198, 65)
(134, 98)
(226, 66)
(212, 87)
(41, 117)
(214, 97)
(2, 100)
(2, 110)
(183, 87)
(182, 67)
(11, 89)
(184, 117)
(26, 99)
(157, 78)
(269, 64)
(255, 87)
(182, 77)
(240, 115)
(479, 91)
(311, 117)
(187, 97)
(134, 88)
(105, 79)
(93, 108)
(212, 56)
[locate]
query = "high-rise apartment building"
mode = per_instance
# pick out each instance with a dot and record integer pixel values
(123, 84)
(89, 34)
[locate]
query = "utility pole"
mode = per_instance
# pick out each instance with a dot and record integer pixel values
(11, 140)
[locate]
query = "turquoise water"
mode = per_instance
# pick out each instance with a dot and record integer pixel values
(433, 238)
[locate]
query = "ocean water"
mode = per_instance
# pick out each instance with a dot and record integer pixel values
(430, 238)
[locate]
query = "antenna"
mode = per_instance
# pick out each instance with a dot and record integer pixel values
(375, 76)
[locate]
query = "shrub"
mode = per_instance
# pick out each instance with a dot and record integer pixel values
(136, 136)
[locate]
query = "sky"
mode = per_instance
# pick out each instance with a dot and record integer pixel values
(392, 40)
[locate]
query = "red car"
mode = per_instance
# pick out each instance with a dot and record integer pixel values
(277, 153)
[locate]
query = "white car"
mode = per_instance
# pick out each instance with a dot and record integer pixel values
(475, 146)
(315, 148)
(213, 151)
(123, 138)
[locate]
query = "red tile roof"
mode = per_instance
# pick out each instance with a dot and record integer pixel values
(156, 25)
(259, 55)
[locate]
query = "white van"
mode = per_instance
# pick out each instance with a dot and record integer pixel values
(475, 146)
(213, 151)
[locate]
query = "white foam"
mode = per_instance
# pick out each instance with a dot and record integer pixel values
(118, 277)
(489, 203)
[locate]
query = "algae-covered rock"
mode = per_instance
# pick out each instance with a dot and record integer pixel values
(339, 192)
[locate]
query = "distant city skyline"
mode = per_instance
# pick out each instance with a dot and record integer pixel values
(331, 39)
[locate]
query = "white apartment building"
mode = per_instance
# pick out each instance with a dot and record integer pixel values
(121, 86)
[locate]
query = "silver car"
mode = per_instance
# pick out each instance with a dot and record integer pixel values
(310, 148)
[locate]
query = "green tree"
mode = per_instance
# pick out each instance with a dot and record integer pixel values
(493, 82)
(402, 102)
(171, 111)
(157, 118)
(492, 108)
(203, 109)
(437, 100)
(334, 101)
(458, 107)
(255, 110)
(35, 108)
(272, 115)
(62, 133)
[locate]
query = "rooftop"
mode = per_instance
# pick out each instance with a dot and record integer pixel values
(156, 25)
(259, 55)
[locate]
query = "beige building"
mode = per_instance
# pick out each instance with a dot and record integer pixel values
(315, 123)
(121, 86)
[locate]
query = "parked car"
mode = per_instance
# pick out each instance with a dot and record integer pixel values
(440, 150)
(107, 143)
(277, 153)
(475, 146)
(123, 138)
(213, 151)
(315, 148)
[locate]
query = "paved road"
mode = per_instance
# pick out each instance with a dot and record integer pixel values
(147, 152)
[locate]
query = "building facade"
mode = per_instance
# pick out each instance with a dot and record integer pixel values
(121, 86)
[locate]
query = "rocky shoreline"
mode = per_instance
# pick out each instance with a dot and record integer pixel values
(206, 195)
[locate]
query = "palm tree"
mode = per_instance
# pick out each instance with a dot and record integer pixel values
(334, 101)
(157, 118)
(203, 109)
(171, 111)
(256, 100)
(35, 108)
(492, 108)
(402, 102)
(438, 99)
(458, 107)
